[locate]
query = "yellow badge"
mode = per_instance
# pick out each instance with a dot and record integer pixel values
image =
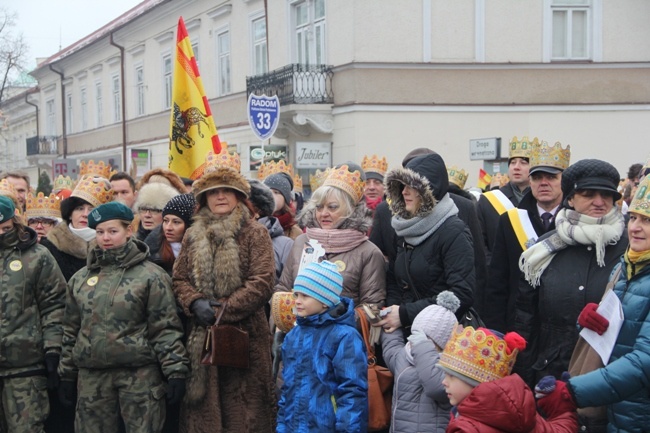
(92, 281)
(16, 265)
(340, 265)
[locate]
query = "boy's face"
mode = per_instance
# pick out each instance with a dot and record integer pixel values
(456, 389)
(307, 306)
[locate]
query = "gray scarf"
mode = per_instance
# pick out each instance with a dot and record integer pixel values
(417, 229)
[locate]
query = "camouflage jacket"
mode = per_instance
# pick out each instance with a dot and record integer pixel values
(32, 296)
(120, 312)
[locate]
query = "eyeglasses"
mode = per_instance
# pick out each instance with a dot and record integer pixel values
(332, 207)
(144, 210)
(42, 221)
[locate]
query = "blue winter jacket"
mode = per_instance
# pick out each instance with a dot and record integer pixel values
(325, 375)
(624, 384)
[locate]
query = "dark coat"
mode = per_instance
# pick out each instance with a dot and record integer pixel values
(546, 316)
(489, 217)
(68, 249)
(503, 270)
(154, 242)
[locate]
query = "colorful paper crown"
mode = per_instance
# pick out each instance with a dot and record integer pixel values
(282, 304)
(316, 180)
(457, 176)
(374, 164)
(8, 189)
(63, 183)
(521, 148)
(499, 180)
(95, 190)
(297, 183)
(344, 179)
(92, 168)
(641, 201)
(543, 155)
(219, 160)
(42, 206)
(273, 167)
(476, 355)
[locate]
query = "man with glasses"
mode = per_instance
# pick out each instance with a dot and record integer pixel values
(43, 213)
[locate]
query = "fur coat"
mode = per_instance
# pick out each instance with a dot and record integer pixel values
(69, 250)
(228, 258)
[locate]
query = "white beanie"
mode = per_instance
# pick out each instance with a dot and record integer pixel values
(438, 321)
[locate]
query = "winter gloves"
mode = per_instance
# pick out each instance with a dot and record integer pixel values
(203, 311)
(554, 396)
(417, 337)
(175, 391)
(591, 319)
(51, 364)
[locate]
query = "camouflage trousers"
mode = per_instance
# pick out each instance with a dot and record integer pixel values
(24, 404)
(138, 394)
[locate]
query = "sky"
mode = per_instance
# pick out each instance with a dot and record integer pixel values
(48, 25)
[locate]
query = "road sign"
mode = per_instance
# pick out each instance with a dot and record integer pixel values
(263, 115)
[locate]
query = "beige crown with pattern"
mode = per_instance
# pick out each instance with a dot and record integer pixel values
(297, 183)
(273, 167)
(457, 176)
(93, 168)
(374, 164)
(223, 159)
(316, 180)
(521, 148)
(95, 190)
(641, 201)
(42, 206)
(62, 182)
(344, 179)
(544, 155)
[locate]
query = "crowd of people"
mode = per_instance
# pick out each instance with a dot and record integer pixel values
(477, 299)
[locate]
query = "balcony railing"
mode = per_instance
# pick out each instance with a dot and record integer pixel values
(42, 146)
(295, 84)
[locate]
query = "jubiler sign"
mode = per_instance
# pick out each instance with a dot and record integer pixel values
(313, 155)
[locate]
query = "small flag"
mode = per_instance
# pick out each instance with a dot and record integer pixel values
(192, 131)
(483, 179)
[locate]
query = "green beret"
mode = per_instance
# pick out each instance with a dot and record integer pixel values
(7, 208)
(113, 210)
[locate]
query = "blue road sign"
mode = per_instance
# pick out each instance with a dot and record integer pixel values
(263, 115)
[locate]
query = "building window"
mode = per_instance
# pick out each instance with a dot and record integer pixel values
(223, 58)
(258, 36)
(117, 98)
(84, 109)
(99, 105)
(50, 115)
(309, 32)
(68, 113)
(167, 79)
(571, 34)
(139, 85)
(195, 51)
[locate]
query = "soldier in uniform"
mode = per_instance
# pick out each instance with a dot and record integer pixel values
(121, 331)
(31, 312)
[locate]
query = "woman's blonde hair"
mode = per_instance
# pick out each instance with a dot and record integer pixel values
(325, 193)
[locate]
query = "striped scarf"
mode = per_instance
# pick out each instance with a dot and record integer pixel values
(336, 241)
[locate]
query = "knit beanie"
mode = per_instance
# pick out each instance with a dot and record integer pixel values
(322, 281)
(438, 321)
(281, 182)
(182, 206)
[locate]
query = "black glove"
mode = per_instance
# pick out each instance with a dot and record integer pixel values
(203, 311)
(51, 364)
(68, 393)
(276, 352)
(175, 391)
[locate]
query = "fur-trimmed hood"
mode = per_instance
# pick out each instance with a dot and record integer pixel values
(164, 176)
(155, 195)
(262, 198)
(360, 220)
(223, 177)
(394, 183)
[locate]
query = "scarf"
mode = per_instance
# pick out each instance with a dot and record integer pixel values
(286, 220)
(518, 193)
(417, 229)
(372, 204)
(86, 233)
(336, 241)
(635, 261)
(176, 248)
(572, 228)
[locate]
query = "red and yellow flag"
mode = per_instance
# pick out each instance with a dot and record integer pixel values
(192, 131)
(484, 179)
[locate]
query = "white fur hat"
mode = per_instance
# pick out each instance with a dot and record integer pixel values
(155, 196)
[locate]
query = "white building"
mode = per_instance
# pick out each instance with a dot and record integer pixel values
(385, 76)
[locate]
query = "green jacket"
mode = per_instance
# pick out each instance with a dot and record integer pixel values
(120, 313)
(32, 295)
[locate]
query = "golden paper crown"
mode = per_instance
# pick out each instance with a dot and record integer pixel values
(92, 168)
(95, 190)
(477, 355)
(42, 206)
(499, 180)
(63, 183)
(521, 148)
(457, 176)
(350, 182)
(297, 183)
(8, 189)
(316, 180)
(550, 156)
(374, 164)
(282, 304)
(641, 201)
(273, 167)
(219, 160)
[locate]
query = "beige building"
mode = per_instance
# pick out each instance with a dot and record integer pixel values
(361, 77)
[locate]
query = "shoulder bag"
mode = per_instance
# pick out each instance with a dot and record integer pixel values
(225, 345)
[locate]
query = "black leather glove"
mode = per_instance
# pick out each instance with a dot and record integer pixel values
(276, 352)
(68, 393)
(203, 311)
(51, 364)
(175, 391)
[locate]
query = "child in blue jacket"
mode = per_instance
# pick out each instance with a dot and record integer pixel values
(325, 364)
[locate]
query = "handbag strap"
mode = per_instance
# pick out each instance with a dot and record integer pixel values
(219, 313)
(365, 333)
(612, 281)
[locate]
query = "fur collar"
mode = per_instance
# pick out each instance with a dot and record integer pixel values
(360, 220)
(395, 182)
(65, 241)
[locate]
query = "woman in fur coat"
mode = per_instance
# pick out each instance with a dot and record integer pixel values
(226, 256)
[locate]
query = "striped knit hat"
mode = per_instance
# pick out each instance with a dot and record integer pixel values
(322, 281)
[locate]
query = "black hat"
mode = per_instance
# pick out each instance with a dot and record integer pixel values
(283, 183)
(591, 174)
(262, 198)
(182, 206)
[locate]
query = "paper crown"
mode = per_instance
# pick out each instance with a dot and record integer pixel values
(374, 164)
(344, 179)
(297, 183)
(63, 183)
(92, 168)
(222, 159)
(95, 190)
(282, 304)
(544, 155)
(316, 180)
(499, 180)
(457, 176)
(42, 206)
(8, 189)
(273, 167)
(476, 355)
(641, 201)
(521, 148)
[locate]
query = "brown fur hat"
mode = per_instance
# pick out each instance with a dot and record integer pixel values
(162, 175)
(224, 177)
